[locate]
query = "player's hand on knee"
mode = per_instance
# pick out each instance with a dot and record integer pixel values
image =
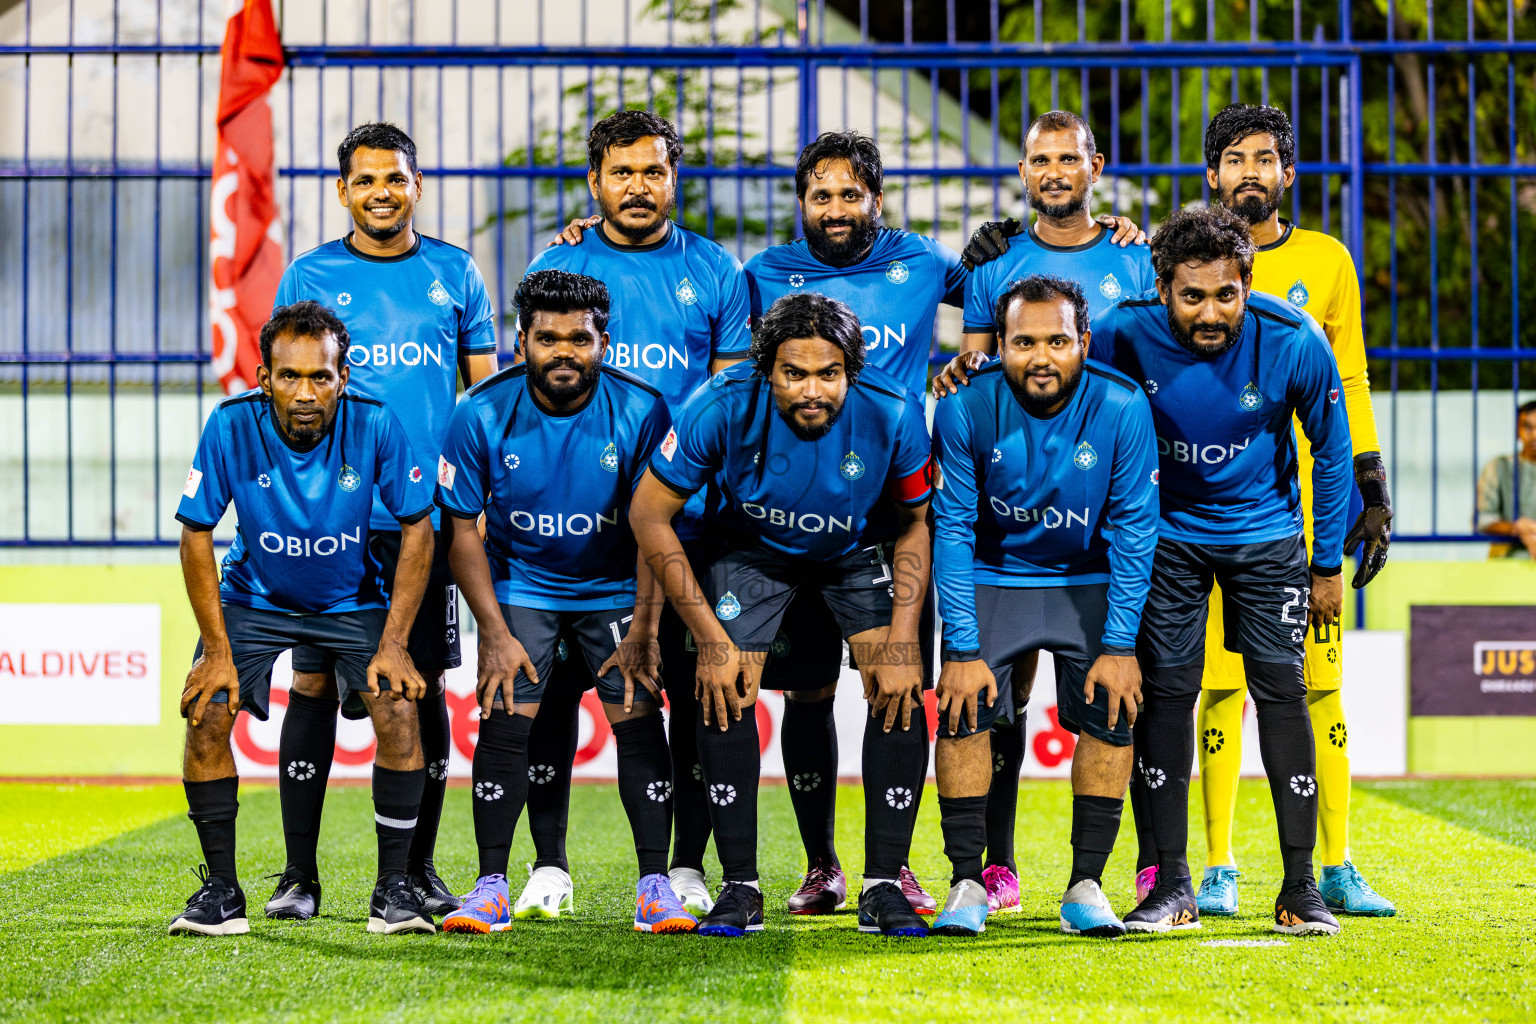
(574, 230)
(957, 371)
(639, 662)
(392, 663)
(501, 658)
(1120, 676)
(895, 678)
(720, 673)
(1126, 231)
(211, 674)
(961, 687)
(1326, 601)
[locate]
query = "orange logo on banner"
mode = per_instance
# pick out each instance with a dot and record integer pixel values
(245, 252)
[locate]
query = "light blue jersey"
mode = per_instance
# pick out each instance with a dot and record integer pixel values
(1105, 272)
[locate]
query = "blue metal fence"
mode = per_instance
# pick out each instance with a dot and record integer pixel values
(105, 160)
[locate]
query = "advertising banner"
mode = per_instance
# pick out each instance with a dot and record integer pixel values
(1474, 660)
(80, 664)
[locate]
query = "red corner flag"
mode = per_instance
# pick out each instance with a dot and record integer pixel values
(245, 251)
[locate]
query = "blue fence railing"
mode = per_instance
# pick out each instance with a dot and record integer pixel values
(1415, 135)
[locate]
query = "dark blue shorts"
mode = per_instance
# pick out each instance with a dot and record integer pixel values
(595, 635)
(348, 640)
(1068, 622)
(434, 640)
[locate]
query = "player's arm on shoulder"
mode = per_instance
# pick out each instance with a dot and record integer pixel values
(573, 232)
(1126, 231)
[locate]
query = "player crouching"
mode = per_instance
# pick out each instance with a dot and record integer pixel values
(549, 451)
(300, 457)
(823, 467)
(1045, 512)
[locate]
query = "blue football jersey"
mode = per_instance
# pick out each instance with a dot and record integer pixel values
(895, 291)
(555, 487)
(410, 317)
(674, 305)
(806, 499)
(1027, 501)
(1106, 273)
(302, 518)
(1224, 436)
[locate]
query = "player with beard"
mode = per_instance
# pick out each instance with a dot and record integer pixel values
(822, 464)
(679, 313)
(1060, 165)
(306, 463)
(549, 451)
(1045, 521)
(1250, 155)
(417, 311)
(1225, 370)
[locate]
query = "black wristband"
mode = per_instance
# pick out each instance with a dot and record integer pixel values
(961, 655)
(1371, 478)
(1324, 571)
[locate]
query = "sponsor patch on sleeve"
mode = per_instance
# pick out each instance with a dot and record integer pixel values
(446, 471)
(194, 481)
(669, 444)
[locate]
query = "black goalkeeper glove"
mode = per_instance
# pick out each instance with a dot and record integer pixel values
(988, 242)
(1374, 527)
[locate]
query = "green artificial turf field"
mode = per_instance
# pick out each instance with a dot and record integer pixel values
(89, 877)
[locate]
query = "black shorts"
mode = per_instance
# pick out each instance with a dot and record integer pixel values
(595, 636)
(348, 640)
(1068, 622)
(434, 640)
(808, 651)
(1264, 589)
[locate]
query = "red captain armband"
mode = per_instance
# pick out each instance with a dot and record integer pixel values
(914, 488)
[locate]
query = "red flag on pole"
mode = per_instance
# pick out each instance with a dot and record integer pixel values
(245, 251)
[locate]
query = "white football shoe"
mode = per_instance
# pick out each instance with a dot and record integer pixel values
(689, 885)
(548, 894)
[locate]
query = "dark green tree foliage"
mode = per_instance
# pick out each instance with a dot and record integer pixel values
(1456, 230)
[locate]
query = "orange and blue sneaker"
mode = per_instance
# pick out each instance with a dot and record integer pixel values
(657, 908)
(487, 908)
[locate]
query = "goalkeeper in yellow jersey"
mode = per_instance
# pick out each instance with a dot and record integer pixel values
(1250, 157)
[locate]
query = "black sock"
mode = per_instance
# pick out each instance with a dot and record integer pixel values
(964, 820)
(1165, 750)
(732, 764)
(1146, 843)
(436, 739)
(690, 803)
(500, 786)
(1095, 824)
(895, 764)
(645, 787)
(212, 806)
(305, 748)
(1285, 741)
(396, 806)
(1003, 796)
(551, 752)
(808, 738)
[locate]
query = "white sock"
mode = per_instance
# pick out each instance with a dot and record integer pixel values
(870, 883)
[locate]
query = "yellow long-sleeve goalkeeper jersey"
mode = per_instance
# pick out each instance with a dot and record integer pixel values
(1314, 271)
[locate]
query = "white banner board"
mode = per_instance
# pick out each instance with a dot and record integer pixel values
(79, 664)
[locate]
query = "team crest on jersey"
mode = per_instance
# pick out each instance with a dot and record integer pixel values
(344, 299)
(349, 479)
(1250, 399)
(1150, 386)
(685, 293)
(1110, 288)
(1298, 295)
(1333, 396)
(610, 458)
(264, 480)
(415, 474)
(852, 467)
(1085, 457)
(727, 608)
(797, 280)
(438, 294)
(897, 272)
